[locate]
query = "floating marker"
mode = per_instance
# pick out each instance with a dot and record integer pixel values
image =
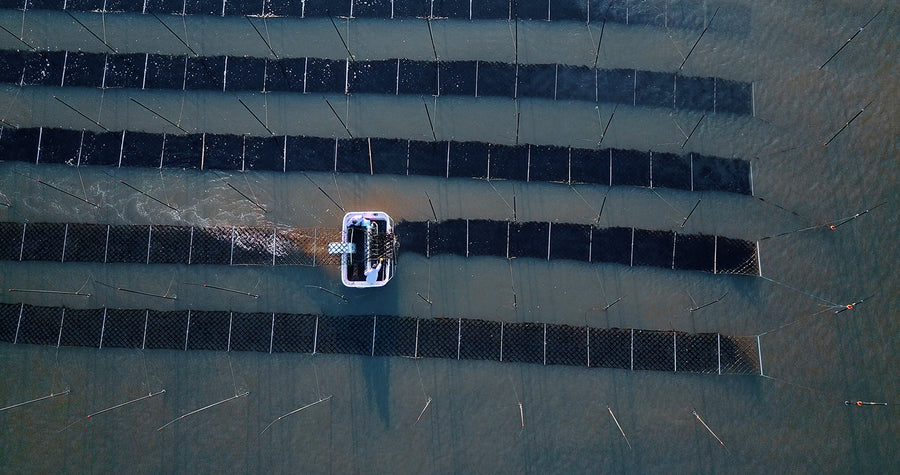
(692, 131)
(619, 426)
(850, 39)
(81, 114)
(225, 289)
(329, 291)
(158, 115)
(710, 430)
(324, 193)
(91, 32)
(201, 409)
(256, 117)
(698, 40)
(846, 124)
(341, 37)
(57, 292)
(148, 196)
(52, 395)
(294, 412)
(427, 403)
(247, 197)
(339, 117)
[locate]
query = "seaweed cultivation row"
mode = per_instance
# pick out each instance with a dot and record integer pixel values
(381, 335)
(153, 244)
(392, 76)
(612, 167)
(692, 14)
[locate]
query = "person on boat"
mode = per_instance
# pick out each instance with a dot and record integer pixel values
(372, 273)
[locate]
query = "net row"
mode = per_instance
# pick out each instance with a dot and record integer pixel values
(393, 76)
(692, 14)
(448, 159)
(380, 335)
(581, 242)
(152, 244)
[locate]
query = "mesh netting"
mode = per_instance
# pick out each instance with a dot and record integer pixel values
(170, 245)
(566, 345)
(40, 325)
(209, 331)
(345, 334)
(395, 336)
(212, 246)
(740, 355)
(293, 333)
(697, 352)
(447, 338)
(9, 320)
(82, 327)
(43, 242)
(523, 342)
(253, 246)
(167, 330)
(654, 350)
(86, 243)
(124, 328)
(10, 241)
(251, 331)
(480, 340)
(127, 243)
(735, 256)
(610, 348)
(438, 338)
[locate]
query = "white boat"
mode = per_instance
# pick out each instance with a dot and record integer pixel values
(368, 249)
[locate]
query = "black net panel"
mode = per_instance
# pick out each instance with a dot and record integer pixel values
(480, 340)
(523, 342)
(43, 242)
(128, 244)
(124, 328)
(86, 243)
(403, 76)
(167, 330)
(395, 336)
(82, 327)
(251, 331)
(567, 345)
(381, 156)
(40, 325)
(448, 237)
(345, 334)
(736, 256)
(254, 246)
(740, 355)
(654, 350)
(212, 246)
(170, 245)
(294, 333)
(209, 331)
(610, 348)
(11, 241)
(438, 338)
(9, 320)
(697, 352)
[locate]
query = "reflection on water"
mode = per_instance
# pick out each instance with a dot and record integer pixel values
(473, 422)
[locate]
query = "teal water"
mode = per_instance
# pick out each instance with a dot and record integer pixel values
(795, 422)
